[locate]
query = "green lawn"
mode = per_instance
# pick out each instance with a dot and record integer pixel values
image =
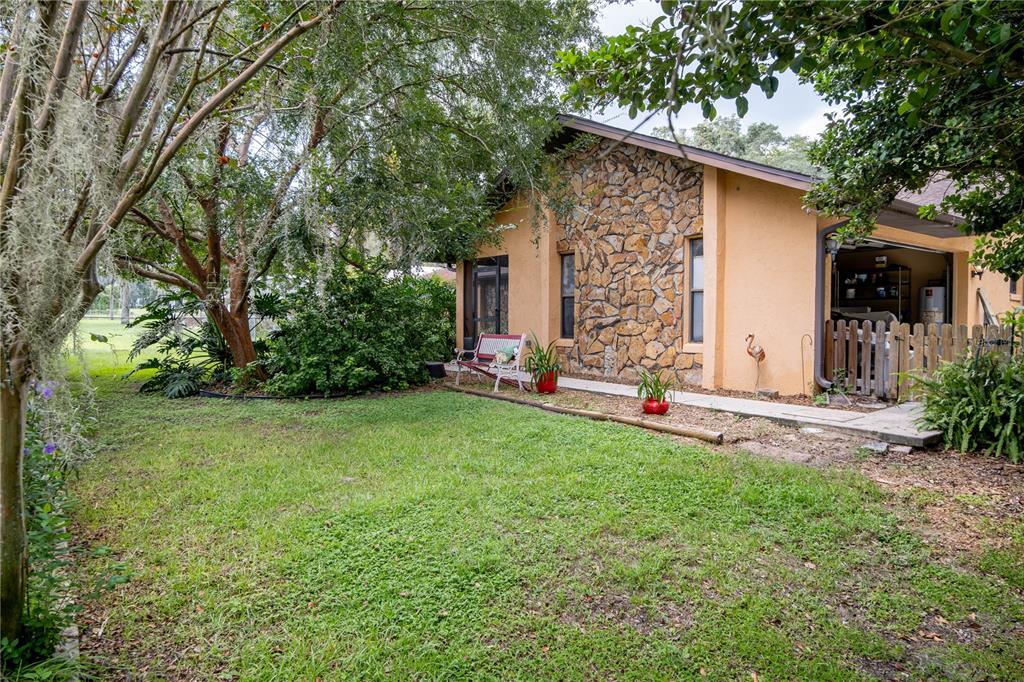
(437, 535)
(102, 357)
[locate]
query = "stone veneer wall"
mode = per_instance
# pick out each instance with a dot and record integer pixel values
(635, 209)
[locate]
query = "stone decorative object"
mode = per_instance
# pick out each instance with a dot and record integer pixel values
(634, 210)
(875, 448)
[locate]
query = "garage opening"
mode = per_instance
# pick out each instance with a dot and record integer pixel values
(877, 280)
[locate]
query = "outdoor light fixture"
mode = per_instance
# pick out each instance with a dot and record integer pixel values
(976, 271)
(832, 246)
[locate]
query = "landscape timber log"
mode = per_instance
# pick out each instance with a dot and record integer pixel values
(716, 437)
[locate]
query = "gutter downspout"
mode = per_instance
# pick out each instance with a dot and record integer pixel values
(819, 303)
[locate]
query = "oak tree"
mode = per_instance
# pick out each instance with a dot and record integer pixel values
(391, 141)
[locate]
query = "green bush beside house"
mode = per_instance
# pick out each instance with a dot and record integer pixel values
(363, 330)
(977, 401)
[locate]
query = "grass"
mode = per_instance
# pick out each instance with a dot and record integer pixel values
(437, 535)
(101, 358)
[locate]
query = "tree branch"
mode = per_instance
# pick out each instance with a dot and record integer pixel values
(76, 216)
(131, 161)
(138, 217)
(150, 270)
(10, 71)
(217, 53)
(188, 257)
(133, 104)
(118, 213)
(119, 69)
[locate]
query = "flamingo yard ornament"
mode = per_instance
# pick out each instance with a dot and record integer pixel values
(755, 351)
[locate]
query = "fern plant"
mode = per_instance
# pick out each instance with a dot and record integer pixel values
(977, 402)
(175, 378)
(189, 357)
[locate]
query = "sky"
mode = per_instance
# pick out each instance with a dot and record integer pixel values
(796, 108)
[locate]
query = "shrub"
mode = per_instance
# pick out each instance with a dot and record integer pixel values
(55, 444)
(977, 402)
(543, 360)
(363, 331)
(188, 357)
(46, 521)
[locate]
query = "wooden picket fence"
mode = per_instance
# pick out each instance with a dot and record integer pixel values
(874, 358)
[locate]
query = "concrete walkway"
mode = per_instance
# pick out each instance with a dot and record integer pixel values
(895, 424)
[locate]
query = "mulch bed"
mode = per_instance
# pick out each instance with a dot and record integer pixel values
(857, 403)
(971, 501)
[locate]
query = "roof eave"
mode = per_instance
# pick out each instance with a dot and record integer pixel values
(714, 159)
(900, 213)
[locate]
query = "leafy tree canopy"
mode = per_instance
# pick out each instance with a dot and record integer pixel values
(761, 142)
(389, 141)
(930, 88)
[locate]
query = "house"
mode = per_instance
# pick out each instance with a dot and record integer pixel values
(669, 258)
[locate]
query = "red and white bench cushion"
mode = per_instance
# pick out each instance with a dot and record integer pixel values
(484, 361)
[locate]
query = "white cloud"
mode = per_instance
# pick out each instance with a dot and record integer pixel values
(814, 125)
(614, 18)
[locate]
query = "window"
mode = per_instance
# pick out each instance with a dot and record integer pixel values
(1013, 287)
(696, 290)
(568, 295)
(486, 297)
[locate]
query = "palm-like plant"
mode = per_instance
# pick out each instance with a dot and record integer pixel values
(653, 386)
(187, 357)
(543, 361)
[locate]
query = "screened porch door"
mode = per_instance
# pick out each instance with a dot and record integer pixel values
(486, 297)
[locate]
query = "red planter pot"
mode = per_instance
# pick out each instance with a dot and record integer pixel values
(547, 383)
(652, 406)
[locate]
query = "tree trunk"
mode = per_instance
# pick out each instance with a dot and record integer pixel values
(234, 327)
(236, 316)
(126, 310)
(13, 548)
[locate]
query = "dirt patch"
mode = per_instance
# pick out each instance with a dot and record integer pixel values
(616, 610)
(583, 596)
(824, 446)
(970, 501)
(924, 649)
(883, 670)
(115, 654)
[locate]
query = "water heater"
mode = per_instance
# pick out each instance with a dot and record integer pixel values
(933, 305)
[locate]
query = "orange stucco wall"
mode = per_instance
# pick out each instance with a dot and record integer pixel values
(532, 272)
(759, 279)
(766, 284)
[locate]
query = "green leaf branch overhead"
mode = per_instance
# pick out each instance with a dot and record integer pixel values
(930, 90)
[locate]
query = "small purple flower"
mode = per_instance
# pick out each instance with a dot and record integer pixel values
(50, 447)
(47, 391)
